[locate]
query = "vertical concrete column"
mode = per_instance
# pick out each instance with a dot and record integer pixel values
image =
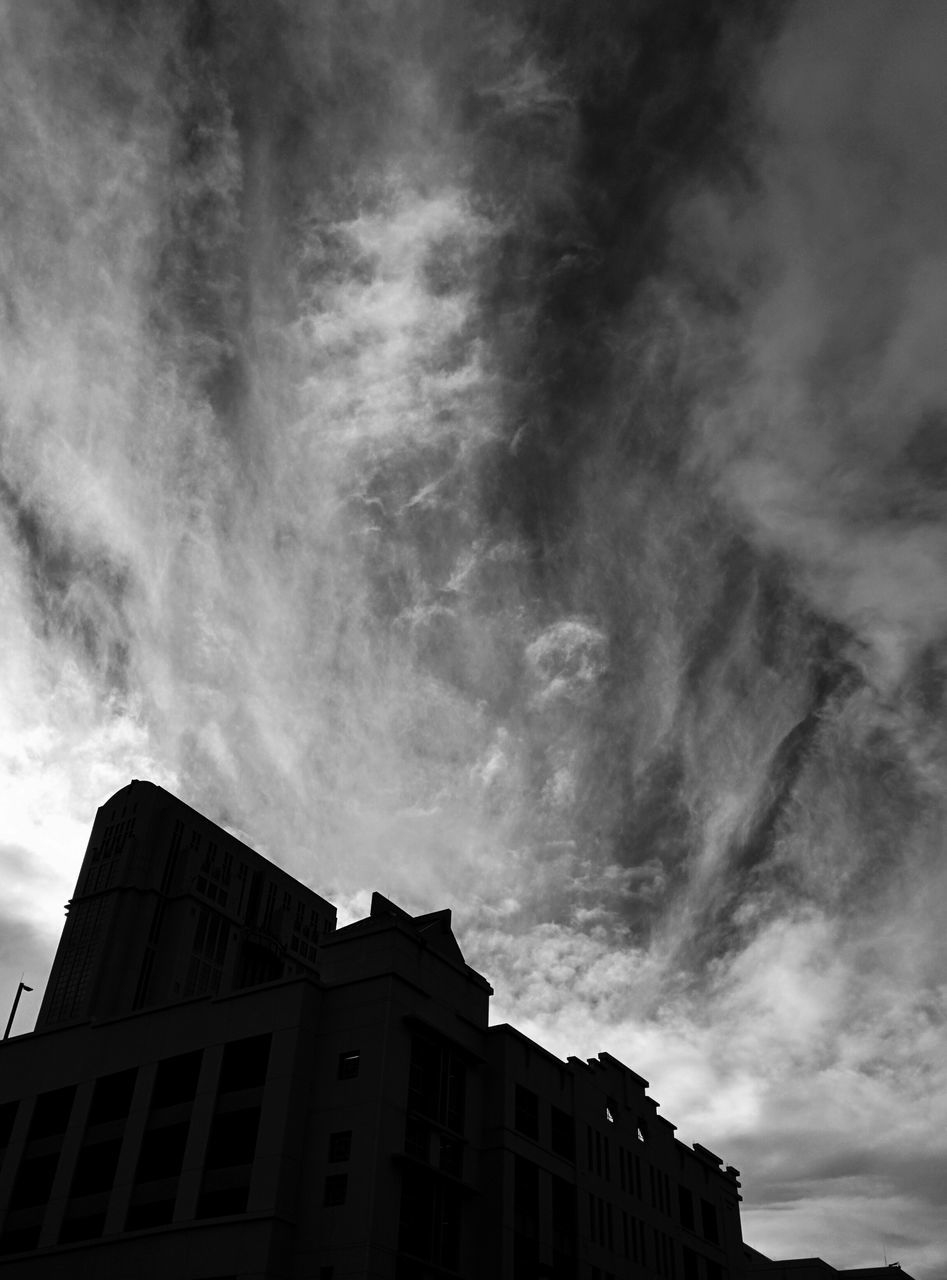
(279, 1100)
(14, 1152)
(131, 1145)
(71, 1142)
(189, 1185)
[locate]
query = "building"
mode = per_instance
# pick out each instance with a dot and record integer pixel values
(168, 906)
(760, 1267)
(223, 1084)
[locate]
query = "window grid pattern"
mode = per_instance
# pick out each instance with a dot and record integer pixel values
(88, 923)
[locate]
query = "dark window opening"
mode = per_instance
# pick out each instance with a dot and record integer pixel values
(112, 1096)
(88, 1226)
(526, 1257)
(430, 1219)
(562, 1134)
(95, 1168)
(708, 1218)
(51, 1113)
(691, 1270)
(526, 1112)
(437, 1083)
(565, 1223)
(686, 1205)
(34, 1181)
(244, 1064)
(256, 964)
(176, 1080)
(349, 1062)
(525, 1197)
(162, 1153)
(150, 1213)
(417, 1139)
(232, 1138)
(208, 949)
(335, 1189)
(222, 1202)
(20, 1239)
(340, 1146)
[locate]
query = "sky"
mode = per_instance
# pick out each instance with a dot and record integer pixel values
(495, 452)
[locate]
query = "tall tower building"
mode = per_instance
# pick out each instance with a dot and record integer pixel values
(167, 906)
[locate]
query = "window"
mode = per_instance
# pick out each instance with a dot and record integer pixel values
(232, 1140)
(34, 1181)
(611, 1111)
(86, 1226)
(112, 1097)
(437, 1083)
(686, 1205)
(349, 1064)
(526, 1112)
(95, 1167)
(640, 1131)
(708, 1219)
(664, 1254)
(222, 1202)
(430, 1219)
(51, 1113)
(691, 1271)
(335, 1189)
(149, 1213)
(176, 1080)
(564, 1223)
(244, 1064)
(417, 1139)
(209, 949)
(340, 1146)
(19, 1239)
(162, 1153)
(526, 1197)
(562, 1134)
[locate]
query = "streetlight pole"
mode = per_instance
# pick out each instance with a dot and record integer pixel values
(16, 1000)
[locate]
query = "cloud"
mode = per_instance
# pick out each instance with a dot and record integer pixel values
(494, 454)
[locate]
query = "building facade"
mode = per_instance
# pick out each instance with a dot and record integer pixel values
(223, 1084)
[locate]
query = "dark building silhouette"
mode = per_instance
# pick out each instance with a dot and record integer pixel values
(759, 1267)
(223, 1084)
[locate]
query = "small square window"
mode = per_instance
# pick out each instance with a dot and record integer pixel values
(335, 1189)
(349, 1064)
(340, 1146)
